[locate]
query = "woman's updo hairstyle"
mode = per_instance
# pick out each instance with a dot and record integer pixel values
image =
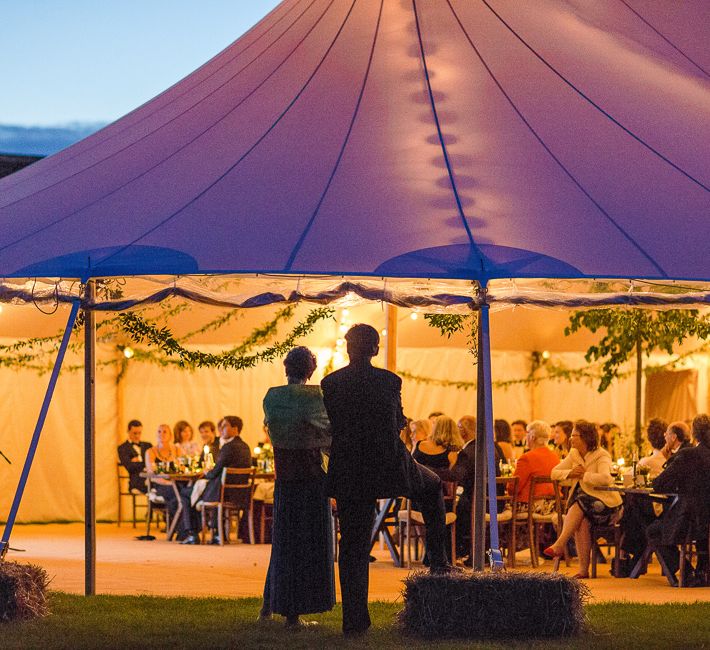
(588, 432)
(300, 363)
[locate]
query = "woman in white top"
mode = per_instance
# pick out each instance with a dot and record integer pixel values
(184, 442)
(656, 434)
(590, 468)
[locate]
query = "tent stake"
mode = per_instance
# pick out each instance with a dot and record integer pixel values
(5, 543)
(89, 444)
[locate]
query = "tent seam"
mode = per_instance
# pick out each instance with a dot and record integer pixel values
(442, 144)
(245, 155)
(599, 108)
(569, 174)
(311, 221)
(163, 160)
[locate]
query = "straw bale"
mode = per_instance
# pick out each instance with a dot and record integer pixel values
(23, 591)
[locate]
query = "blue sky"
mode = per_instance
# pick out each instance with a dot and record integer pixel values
(91, 61)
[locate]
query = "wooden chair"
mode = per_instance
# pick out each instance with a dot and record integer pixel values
(125, 491)
(155, 506)
(266, 513)
(411, 524)
(507, 517)
(612, 537)
(235, 499)
(537, 519)
(688, 550)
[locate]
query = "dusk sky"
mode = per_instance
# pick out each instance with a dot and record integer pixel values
(88, 62)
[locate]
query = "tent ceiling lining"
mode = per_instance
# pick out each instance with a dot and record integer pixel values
(431, 295)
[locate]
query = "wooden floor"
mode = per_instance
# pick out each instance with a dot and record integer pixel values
(129, 566)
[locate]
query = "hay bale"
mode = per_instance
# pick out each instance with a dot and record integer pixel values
(23, 591)
(493, 605)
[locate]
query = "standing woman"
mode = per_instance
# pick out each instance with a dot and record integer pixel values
(502, 432)
(300, 579)
(589, 467)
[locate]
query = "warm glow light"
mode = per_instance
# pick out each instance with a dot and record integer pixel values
(338, 358)
(343, 328)
(346, 312)
(257, 450)
(414, 315)
(383, 332)
(206, 450)
(128, 352)
(620, 462)
(545, 354)
(0, 309)
(340, 343)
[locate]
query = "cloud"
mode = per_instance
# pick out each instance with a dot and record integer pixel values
(43, 140)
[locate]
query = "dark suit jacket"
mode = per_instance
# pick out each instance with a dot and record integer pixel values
(464, 471)
(367, 458)
(234, 454)
(125, 453)
(688, 476)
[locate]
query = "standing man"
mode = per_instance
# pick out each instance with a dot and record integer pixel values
(131, 454)
(234, 452)
(369, 461)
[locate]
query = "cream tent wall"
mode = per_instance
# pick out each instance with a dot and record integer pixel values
(155, 395)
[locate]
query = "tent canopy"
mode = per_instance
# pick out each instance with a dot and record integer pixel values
(454, 139)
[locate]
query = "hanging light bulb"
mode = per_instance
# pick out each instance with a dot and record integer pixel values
(414, 315)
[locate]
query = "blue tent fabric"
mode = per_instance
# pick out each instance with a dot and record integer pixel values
(457, 139)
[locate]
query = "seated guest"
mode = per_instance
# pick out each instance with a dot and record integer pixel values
(184, 435)
(163, 452)
(590, 468)
(234, 453)
(208, 435)
(539, 461)
(607, 436)
(464, 473)
(655, 432)
(560, 437)
(519, 430)
(677, 437)
(438, 451)
(131, 454)
(687, 476)
(502, 432)
(419, 430)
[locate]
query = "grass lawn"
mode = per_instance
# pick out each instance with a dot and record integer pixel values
(141, 621)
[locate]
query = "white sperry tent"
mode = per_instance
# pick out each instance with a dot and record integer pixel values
(421, 152)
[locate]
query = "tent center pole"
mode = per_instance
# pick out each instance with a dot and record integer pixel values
(478, 510)
(391, 340)
(89, 443)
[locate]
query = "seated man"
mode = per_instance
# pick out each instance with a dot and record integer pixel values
(234, 453)
(464, 473)
(689, 516)
(131, 454)
(208, 434)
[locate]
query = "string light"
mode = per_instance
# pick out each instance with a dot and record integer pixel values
(545, 355)
(128, 352)
(383, 332)
(414, 315)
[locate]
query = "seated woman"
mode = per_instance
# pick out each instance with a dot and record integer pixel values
(590, 468)
(440, 449)
(419, 430)
(501, 428)
(560, 437)
(164, 451)
(300, 579)
(184, 442)
(539, 461)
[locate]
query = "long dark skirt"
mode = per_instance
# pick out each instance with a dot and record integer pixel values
(300, 579)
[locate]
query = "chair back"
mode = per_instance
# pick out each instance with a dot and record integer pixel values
(237, 486)
(123, 478)
(449, 489)
(506, 489)
(535, 499)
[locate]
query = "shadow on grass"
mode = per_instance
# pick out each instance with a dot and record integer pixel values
(108, 622)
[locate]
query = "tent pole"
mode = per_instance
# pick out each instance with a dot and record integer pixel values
(5, 543)
(89, 444)
(391, 341)
(478, 532)
(484, 361)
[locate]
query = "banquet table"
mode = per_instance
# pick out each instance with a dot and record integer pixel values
(666, 498)
(174, 478)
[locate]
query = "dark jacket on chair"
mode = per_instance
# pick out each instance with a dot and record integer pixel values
(126, 452)
(367, 458)
(688, 477)
(235, 454)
